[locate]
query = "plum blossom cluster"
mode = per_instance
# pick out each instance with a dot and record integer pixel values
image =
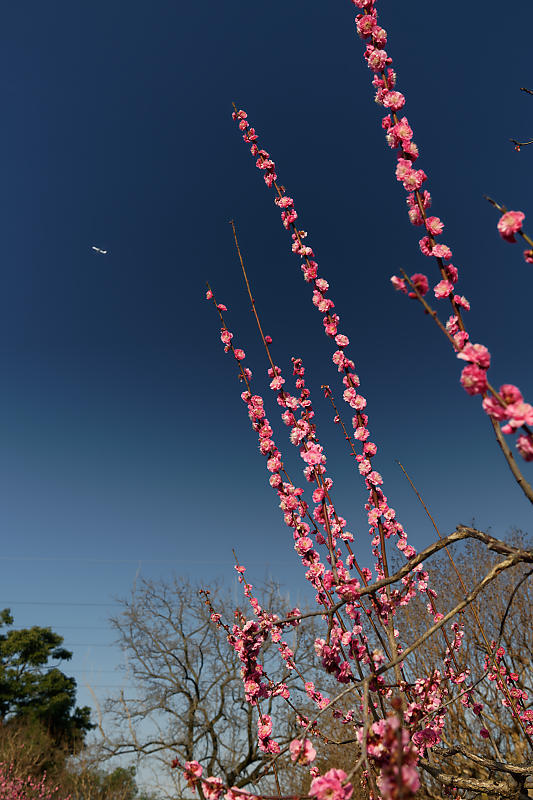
(382, 518)
(399, 134)
(13, 787)
(390, 747)
(212, 787)
(333, 785)
(508, 681)
(344, 643)
(396, 720)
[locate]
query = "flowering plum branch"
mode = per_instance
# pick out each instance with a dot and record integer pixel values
(395, 715)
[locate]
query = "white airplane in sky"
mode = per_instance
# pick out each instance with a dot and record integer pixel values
(99, 250)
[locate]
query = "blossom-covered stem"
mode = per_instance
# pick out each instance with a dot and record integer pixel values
(429, 310)
(511, 461)
(318, 478)
(337, 418)
(329, 394)
(420, 202)
(432, 313)
(377, 507)
(276, 373)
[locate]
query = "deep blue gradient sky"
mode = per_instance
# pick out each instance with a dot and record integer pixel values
(123, 438)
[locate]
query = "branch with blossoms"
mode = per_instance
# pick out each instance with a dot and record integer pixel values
(251, 644)
(396, 716)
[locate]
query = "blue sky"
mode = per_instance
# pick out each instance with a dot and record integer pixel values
(125, 446)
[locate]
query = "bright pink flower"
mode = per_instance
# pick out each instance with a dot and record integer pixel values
(403, 168)
(415, 217)
(264, 726)
(239, 354)
(399, 284)
(460, 339)
(302, 753)
(209, 294)
(426, 738)
(528, 255)
(474, 379)
(509, 224)
(421, 284)
(377, 59)
(443, 289)
(410, 149)
(403, 130)
(441, 251)
(213, 788)
(434, 225)
(364, 24)
(393, 100)
(192, 773)
(284, 202)
(303, 545)
(414, 179)
(493, 408)
(511, 393)
(519, 414)
(330, 786)
(277, 382)
(452, 272)
(379, 37)
(425, 245)
(461, 301)
(452, 324)
(313, 454)
(476, 354)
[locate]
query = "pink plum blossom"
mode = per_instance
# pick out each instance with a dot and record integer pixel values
(443, 289)
(192, 773)
(421, 284)
(399, 284)
(213, 788)
(330, 786)
(476, 354)
(434, 226)
(494, 408)
(511, 393)
(474, 379)
(461, 301)
(441, 251)
(519, 414)
(509, 224)
(524, 446)
(302, 752)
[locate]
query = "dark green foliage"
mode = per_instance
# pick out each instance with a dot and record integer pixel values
(34, 689)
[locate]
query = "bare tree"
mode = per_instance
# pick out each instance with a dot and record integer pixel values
(188, 700)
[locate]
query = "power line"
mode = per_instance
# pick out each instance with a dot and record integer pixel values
(55, 603)
(92, 559)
